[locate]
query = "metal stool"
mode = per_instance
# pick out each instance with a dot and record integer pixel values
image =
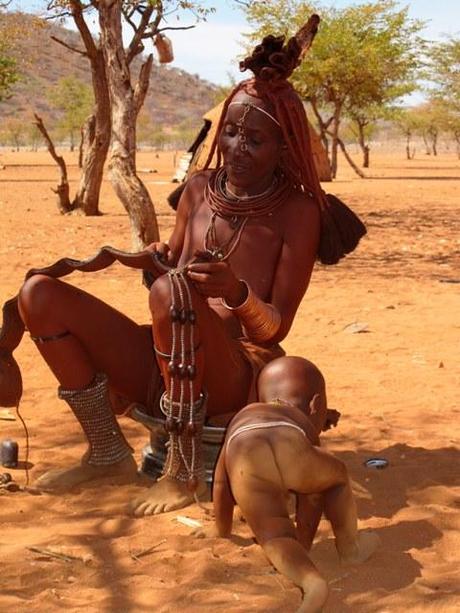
(154, 455)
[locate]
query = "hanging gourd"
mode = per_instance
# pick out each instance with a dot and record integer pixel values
(164, 48)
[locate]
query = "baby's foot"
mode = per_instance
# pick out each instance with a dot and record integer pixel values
(362, 549)
(314, 596)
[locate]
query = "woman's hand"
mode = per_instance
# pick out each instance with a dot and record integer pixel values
(165, 254)
(217, 280)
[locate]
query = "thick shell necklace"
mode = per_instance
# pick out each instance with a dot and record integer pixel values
(237, 210)
(227, 205)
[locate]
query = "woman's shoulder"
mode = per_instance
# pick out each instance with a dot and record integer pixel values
(302, 208)
(199, 179)
(303, 198)
(193, 190)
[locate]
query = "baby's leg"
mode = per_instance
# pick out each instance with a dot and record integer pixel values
(290, 558)
(319, 471)
(261, 498)
(352, 546)
(309, 508)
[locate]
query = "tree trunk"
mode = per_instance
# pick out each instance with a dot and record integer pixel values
(83, 144)
(434, 142)
(408, 137)
(125, 105)
(98, 141)
(362, 143)
(457, 140)
(62, 189)
(322, 125)
(349, 160)
(427, 147)
(335, 140)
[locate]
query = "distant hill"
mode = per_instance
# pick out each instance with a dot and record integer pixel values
(173, 97)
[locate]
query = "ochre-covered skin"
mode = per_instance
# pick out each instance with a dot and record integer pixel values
(259, 467)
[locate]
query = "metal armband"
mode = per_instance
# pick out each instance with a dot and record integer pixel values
(261, 321)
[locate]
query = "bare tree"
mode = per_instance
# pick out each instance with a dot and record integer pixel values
(97, 140)
(118, 98)
(62, 190)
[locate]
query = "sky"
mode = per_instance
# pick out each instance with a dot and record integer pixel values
(211, 49)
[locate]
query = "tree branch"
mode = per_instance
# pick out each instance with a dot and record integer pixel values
(87, 37)
(135, 48)
(175, 28)
(142, 85)
(358, 171)
(61, 42)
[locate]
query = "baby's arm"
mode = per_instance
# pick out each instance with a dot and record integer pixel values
(222, 498)
(223, 504)
(309, 509)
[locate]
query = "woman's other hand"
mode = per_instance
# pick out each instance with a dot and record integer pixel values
(217, 280)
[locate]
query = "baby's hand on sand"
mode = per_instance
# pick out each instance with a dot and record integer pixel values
(332, 419)
(209, 531)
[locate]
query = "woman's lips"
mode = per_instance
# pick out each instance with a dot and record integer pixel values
(238, 168)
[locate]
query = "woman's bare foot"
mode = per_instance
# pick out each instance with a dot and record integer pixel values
(165, 495)
(62, 479)
(315, 594)
(362, 549)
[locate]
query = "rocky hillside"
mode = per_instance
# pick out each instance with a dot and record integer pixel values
(174, 95)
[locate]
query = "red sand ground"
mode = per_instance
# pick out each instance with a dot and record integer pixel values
(396, 385)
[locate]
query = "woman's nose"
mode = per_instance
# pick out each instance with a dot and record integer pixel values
(239, 147)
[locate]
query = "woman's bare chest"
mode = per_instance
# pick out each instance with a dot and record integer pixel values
(251, 245)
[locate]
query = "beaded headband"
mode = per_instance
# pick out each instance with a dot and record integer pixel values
(258, 108)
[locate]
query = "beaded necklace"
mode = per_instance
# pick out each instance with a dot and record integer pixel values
(237, 210)
(225, 205)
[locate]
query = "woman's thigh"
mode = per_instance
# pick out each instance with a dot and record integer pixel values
(114, 343)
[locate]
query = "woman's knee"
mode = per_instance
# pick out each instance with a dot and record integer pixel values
(36, 297)
(160, 298)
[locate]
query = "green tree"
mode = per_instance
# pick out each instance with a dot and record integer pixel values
(74, 99)
(444, 74)
(363, 55)
(222, 91)
(13, 132)
(9, 71)
(409, 122)
(444, 71)
(432, 121)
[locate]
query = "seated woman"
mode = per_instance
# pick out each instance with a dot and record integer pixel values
(231, 278)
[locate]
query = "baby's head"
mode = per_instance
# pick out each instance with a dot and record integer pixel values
(298, 382)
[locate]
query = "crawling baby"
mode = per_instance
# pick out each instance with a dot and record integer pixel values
(270, 450)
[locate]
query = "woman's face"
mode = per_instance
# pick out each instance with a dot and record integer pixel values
(251, 145)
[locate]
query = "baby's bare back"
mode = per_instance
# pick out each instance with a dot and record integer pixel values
(268, 447)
